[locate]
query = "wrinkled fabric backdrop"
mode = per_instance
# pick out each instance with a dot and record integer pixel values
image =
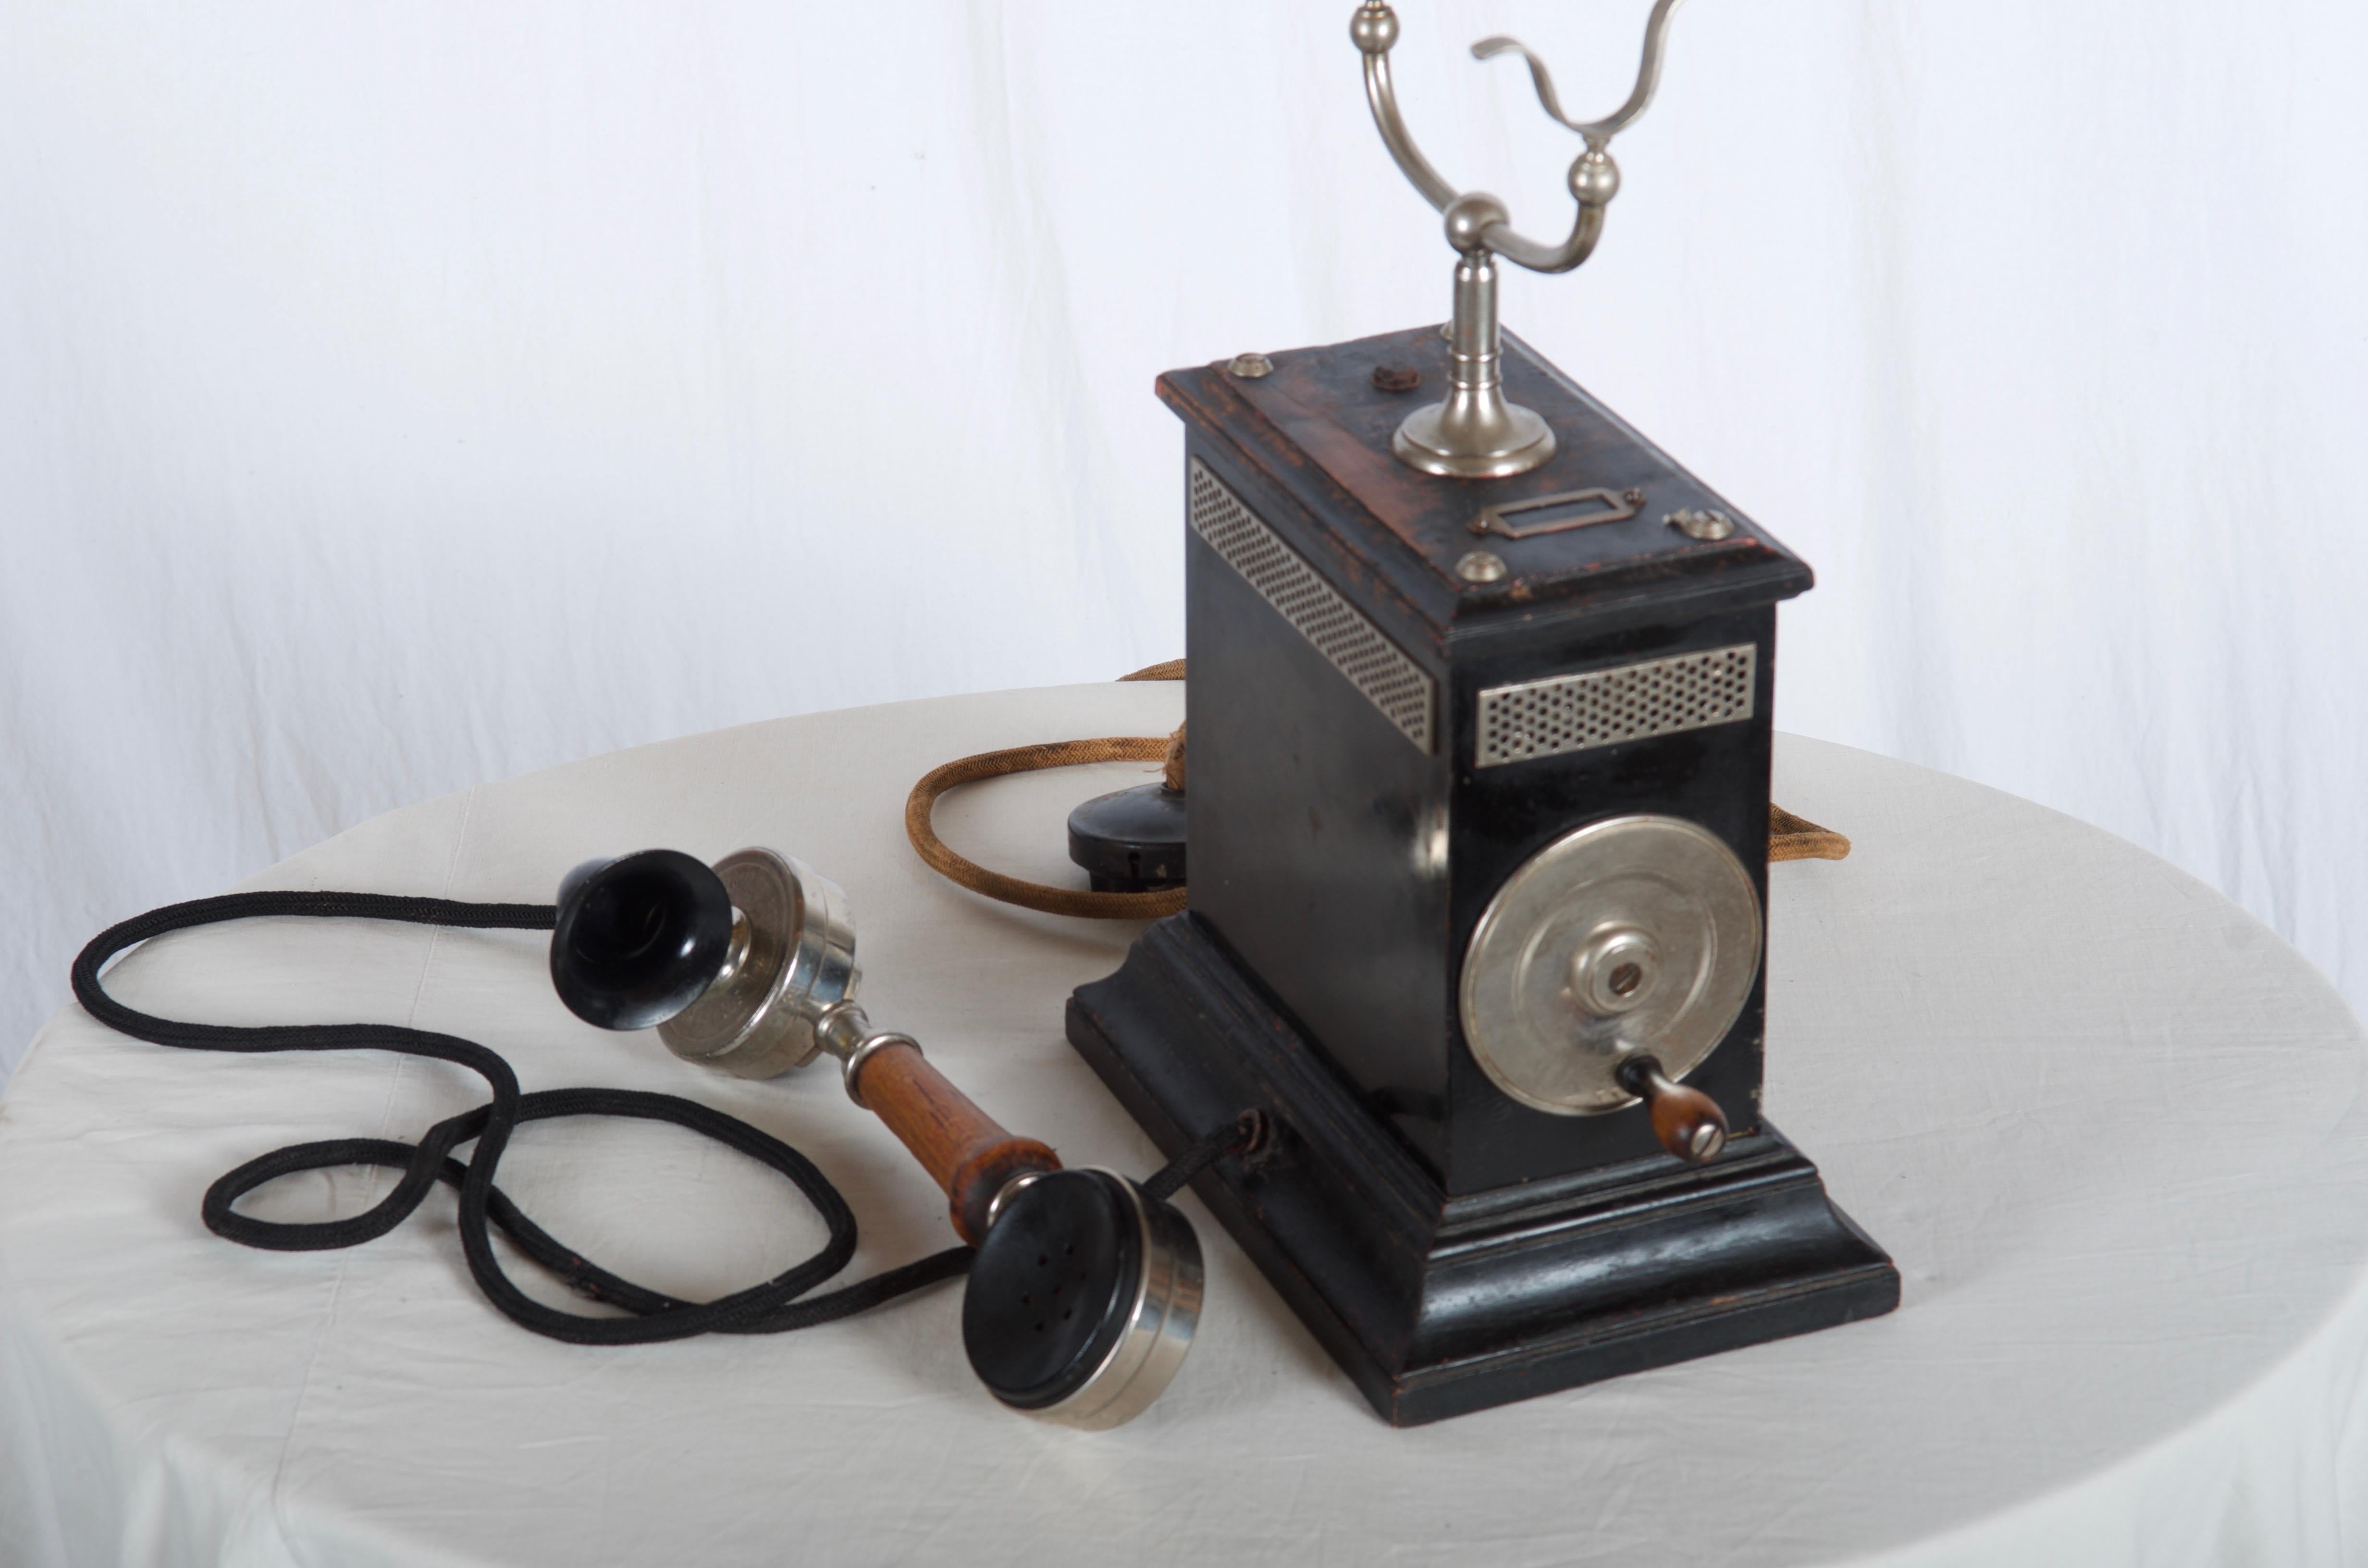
(397, 398)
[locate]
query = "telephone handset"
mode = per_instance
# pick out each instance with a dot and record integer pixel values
(1085, 1288)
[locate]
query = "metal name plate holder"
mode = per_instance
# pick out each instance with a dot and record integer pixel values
(1479, 852)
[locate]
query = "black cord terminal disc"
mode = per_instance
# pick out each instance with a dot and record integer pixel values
(1083, 1298)
(1131, 841)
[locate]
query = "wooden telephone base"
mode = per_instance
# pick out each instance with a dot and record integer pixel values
(1437, 1305)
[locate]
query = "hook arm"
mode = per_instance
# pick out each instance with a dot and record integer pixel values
(1477, 432)
(1593, 178)
(1599, 133)
(1373, 21)
(1585, 230)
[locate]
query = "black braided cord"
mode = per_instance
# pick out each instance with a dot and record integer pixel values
(773, 1306)
(764, 1309)
(769, 1308)
(1239, 1136)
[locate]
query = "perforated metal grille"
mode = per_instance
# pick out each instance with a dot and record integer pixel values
(1375, 665)
(1629, 702)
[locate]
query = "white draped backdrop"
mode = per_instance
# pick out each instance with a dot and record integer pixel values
(396, 398)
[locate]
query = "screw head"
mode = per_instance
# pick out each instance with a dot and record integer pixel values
(1396, 378)
(1703, 525)
(1481, 567)
(1249, 367)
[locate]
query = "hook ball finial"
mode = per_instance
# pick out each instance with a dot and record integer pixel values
(1374, 27)
(1468, 216)
(1594, 179)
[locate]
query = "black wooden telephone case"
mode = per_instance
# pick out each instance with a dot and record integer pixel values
(1478, 824)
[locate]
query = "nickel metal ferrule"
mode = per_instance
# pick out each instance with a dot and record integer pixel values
(1476, 432)
(846, 1033)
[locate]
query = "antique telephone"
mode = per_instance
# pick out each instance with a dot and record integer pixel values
(1478, 829)
(1084, 1287)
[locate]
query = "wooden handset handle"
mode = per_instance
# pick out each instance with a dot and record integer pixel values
(1687, 1121)
(963, 1149)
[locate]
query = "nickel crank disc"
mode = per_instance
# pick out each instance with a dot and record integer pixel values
(1633, 934)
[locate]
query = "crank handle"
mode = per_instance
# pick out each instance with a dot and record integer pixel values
(1687, 1121)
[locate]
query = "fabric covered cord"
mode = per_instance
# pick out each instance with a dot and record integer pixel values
(772, 1307)
(1239, 1136)
(778, 1305)
(1003, 889)
(1790, 837)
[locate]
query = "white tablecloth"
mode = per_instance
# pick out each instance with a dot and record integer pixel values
(2110, 1128)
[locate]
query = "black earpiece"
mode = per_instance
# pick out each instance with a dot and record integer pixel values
(639, 938)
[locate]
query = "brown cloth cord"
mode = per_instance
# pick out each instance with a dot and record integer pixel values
(1016, 889)
(1789, 837)
(1798, 838)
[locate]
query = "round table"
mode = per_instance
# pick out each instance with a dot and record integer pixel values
(2110, 1128)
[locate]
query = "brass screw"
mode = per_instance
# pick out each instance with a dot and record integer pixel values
(1702, 525)
(1481, 567)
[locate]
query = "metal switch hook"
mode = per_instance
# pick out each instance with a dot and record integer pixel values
(1476, 433)
(1086, 1292)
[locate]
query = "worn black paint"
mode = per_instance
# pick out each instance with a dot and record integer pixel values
(1338, 871)
(1436, 1305)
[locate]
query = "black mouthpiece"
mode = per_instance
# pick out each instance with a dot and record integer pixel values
(1054, 1286)
(638, 937)
(1083, 1298)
